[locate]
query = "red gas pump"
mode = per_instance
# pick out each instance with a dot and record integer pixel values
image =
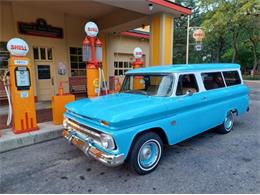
(92, 55)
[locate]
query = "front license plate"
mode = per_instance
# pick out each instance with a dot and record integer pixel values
(77, 142)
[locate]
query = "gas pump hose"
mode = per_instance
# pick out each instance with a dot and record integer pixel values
(7, 90)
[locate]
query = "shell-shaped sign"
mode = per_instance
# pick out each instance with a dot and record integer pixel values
(198, 35)
(17, 47)
(91, 29)
(138, 53)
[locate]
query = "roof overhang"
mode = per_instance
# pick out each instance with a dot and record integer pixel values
(142, 6)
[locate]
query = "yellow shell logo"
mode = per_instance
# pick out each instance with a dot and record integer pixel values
(96, 83)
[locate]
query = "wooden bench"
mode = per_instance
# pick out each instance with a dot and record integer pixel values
(77, 85)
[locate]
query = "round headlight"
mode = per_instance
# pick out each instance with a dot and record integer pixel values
(107, 141)
(65, 123)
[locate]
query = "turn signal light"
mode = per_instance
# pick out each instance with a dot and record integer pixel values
(65, 133)
(104, 123)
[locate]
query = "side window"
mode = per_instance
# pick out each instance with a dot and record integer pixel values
(212, 80)
(187, 82)
(232, 78)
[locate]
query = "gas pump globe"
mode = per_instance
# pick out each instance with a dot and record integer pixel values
(92, 55)
(138, 54)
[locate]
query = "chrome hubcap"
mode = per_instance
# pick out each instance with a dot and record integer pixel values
(229, 122)
(149, 154)
(146, 153)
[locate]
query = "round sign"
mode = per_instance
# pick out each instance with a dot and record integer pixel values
(198, 35)
(17, 47)
(138, 53)
(96, 83)
(91, 29)
(198, 47)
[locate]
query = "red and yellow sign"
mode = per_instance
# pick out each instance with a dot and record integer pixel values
(198, 35)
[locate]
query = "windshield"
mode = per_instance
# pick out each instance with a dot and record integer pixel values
(148, 84)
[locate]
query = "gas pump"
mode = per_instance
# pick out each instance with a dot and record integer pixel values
(92, 55)
(138, 53)
(21, 98)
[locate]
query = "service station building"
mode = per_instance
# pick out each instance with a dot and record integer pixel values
(54, 31)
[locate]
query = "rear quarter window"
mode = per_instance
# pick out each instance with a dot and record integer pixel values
(212, 80)
(232, 78)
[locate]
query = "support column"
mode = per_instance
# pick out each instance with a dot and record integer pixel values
(104, 54)
(161, 40)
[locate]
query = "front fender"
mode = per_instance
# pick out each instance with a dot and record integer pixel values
(125, 137)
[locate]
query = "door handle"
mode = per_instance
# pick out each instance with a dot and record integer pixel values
(204, 98)
(52, 81)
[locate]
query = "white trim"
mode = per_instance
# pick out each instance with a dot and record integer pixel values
(223, 78)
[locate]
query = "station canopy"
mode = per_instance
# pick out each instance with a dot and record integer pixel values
(112, 15)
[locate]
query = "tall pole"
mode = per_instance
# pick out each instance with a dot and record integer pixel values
(187, 41)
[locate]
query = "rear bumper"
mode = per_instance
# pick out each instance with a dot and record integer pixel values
(84, 144)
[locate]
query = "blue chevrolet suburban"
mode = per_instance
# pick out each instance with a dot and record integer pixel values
(156, 106)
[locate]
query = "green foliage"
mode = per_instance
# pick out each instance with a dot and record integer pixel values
(232, 29)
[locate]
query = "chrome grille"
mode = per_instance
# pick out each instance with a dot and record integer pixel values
(88, 131)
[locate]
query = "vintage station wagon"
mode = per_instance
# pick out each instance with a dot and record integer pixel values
(156, 106)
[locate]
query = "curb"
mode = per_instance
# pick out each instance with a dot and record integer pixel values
(252, 81)
(47, 131)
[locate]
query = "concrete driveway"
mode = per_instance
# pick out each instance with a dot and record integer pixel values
(207, 163)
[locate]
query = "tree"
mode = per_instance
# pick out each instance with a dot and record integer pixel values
(232, 32)
(230, 17)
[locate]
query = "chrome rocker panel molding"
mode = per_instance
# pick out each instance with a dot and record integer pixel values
(90, 150)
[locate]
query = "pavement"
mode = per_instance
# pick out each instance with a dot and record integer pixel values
(206, 163)
(47, 131)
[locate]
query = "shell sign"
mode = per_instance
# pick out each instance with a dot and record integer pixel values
(91, 29)
(198, 35)
(138, 53)
(17, 47)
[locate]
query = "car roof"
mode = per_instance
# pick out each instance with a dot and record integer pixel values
(184, 68)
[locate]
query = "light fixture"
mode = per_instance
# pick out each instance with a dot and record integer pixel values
(150, 6)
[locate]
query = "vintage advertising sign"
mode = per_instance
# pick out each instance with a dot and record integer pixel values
(198, 35)
(91, 29)
(17, 47)
(40, 28)
(138, 53)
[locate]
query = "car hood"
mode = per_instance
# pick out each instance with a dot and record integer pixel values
(121, 109)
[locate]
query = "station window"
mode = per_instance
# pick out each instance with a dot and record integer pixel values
(186, 83)
(212, 80)
(42, 53)
(121, 67)
(232, 78)
(78, 67)
(4, 56)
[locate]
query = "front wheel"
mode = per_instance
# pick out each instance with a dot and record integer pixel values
(146, 153)
(228, 123)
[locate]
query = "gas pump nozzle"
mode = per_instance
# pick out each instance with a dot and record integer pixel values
(5, 79)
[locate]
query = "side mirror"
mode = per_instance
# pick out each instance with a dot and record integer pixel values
(189, 93)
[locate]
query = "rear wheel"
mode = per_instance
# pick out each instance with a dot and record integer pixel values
(146, 153)
(228, 123)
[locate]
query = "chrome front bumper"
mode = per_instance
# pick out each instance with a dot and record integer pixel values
(84, 144)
